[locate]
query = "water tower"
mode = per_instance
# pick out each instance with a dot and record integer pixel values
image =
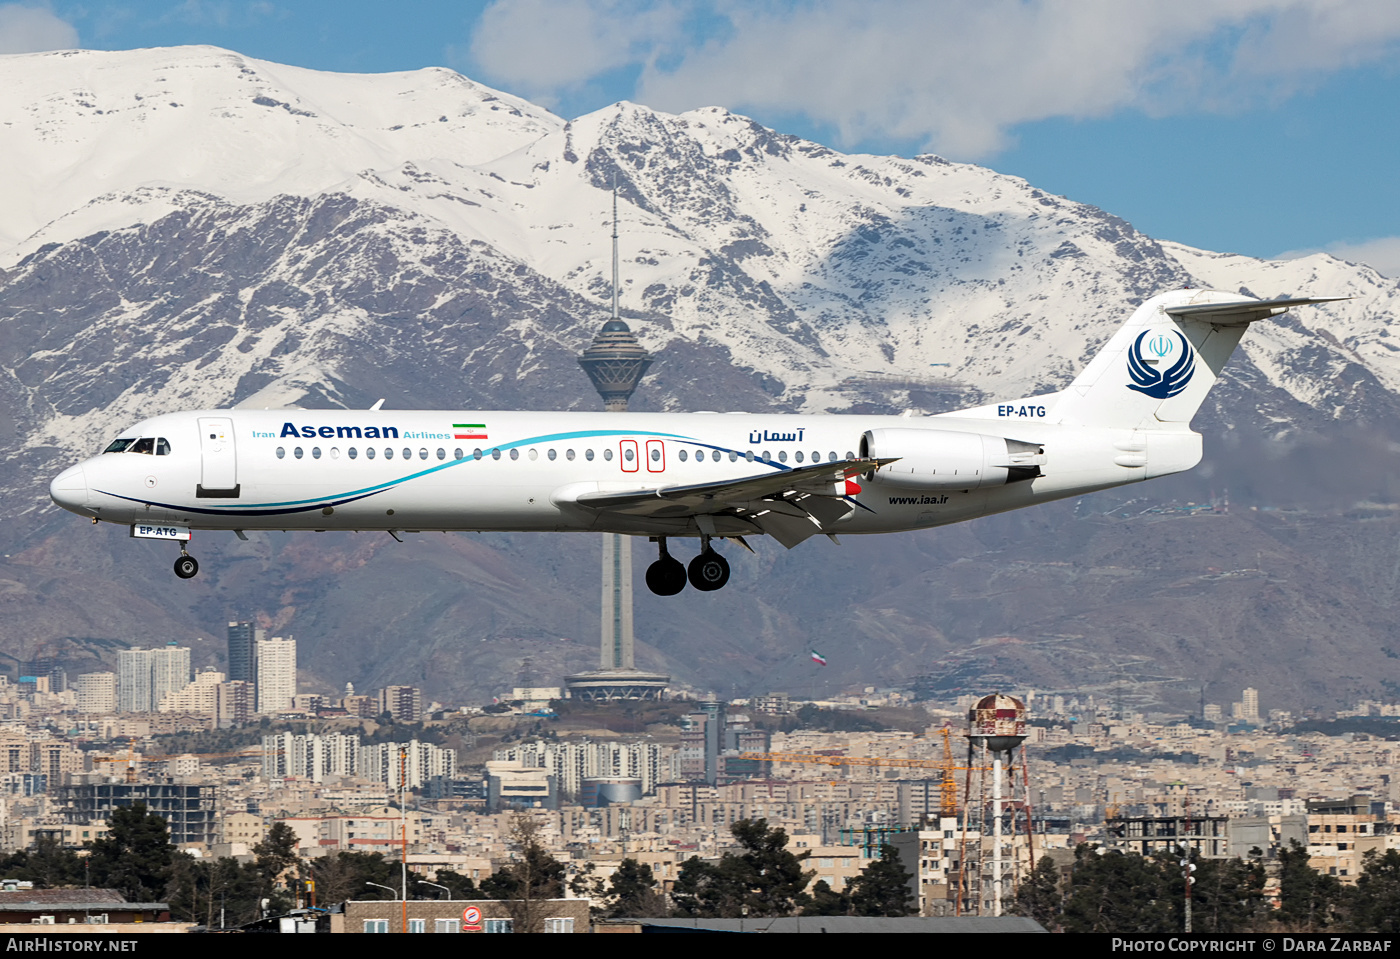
(996, 727)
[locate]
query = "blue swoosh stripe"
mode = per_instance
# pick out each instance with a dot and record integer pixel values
(306, 505)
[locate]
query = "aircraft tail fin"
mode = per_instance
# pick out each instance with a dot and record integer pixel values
(1155, 372)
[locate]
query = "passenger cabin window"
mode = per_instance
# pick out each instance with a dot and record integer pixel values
(119, 446)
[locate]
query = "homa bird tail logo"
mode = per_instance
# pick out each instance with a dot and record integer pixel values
(1160, 385)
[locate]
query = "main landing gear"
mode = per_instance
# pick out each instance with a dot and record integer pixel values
(706, 572)
(186, 566)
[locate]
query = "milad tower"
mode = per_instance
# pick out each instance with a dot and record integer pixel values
(616, 363)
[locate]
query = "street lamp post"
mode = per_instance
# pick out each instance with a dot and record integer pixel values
(395, 893)
(436, 886)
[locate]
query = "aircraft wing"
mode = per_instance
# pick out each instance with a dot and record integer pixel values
(790, 505)
(1243, 312)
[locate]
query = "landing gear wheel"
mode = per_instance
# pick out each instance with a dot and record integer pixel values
(666, 576)
(708, 571)
(186, 567)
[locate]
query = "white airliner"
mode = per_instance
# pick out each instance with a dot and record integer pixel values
(1124, 419)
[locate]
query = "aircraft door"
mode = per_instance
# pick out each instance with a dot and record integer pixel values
(218, 457)
(656, 456)
(628, 449)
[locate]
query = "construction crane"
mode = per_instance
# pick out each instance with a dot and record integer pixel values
(948, 787)
(948, 796)
(827, 760)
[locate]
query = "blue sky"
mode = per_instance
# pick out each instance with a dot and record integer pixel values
(1254, 126)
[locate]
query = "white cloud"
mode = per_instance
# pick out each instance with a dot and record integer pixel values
(951, 75)
(1382, 254)
(543, 46)
(25, 29)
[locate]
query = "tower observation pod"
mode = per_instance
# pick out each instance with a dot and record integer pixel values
(615, 363)
(996, 727)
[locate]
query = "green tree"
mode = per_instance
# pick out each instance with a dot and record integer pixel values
(458, 885)
(882, 889)
(348, 875)
(1227, 895)
(1307, 898)
(825, 901)
(1374, 904)
(532, 878)
(1039, 896)
(135, 856)
(763, 880)
(632, 891)
(47, 864)
(1118, 892)
(276, 861)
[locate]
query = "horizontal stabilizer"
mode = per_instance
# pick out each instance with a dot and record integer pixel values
(1243, 312)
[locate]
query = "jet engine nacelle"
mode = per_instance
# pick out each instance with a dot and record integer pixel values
(945, 459)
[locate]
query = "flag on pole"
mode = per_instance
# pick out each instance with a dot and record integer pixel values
(818, 658)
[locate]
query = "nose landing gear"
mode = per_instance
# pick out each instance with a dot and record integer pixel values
(666, 576)
(186, 566)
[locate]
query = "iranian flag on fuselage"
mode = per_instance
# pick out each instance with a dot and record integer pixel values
(469, 431)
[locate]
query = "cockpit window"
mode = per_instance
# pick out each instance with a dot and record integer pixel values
(146, 444)
(162, 447)
(119, 446)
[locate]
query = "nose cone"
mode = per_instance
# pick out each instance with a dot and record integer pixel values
(69, 489)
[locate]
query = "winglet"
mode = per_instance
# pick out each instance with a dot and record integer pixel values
(378, 404)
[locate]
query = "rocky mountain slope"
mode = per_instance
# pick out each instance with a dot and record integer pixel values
(189, 228)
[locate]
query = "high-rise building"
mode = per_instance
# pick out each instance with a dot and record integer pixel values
(243, 652)
(200, 696)
(420, 762)
(233, 703)
(310, 756)
(1251, 705)
(145, 676)
(277, 673)
(170, 671)
(97, 692)
(404, 704)
(134, 681)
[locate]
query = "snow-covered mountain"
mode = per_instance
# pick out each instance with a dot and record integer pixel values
(189, 227)
(805, 264)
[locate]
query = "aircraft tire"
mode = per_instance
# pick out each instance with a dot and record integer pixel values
(666, 576)
(186, 567)
(708, 571)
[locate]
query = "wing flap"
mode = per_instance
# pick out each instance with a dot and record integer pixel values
(717, 496)
(791, 505)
